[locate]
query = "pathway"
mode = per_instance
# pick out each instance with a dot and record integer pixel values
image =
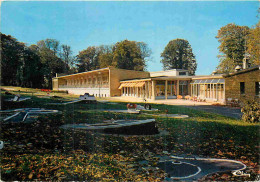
(203, 106)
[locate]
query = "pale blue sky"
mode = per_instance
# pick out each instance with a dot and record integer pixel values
(82, 24)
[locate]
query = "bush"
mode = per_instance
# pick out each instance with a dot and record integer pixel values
(251, 111)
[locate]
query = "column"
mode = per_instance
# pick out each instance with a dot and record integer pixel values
(171, 88)
(224, 92)
(213, 91)
(210, 94)
(177, 88)
(166, 90)
(153, 89)
(146, 90)
(217, 91)
(191, 89)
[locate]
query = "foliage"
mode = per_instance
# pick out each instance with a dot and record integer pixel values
(126, 54)
(251, 111)
(105, 57)
(129, 55)
(232, 39)
(43, 151)
(66, 55)
(178, 55)
(20, 65)
(88, 59)
(253, 43)
(33, 66)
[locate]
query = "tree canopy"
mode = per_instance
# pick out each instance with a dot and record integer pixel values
(253, 44)
(178, 55)
(126, 54)
(130, 55)
(33, 66)
(232, 39)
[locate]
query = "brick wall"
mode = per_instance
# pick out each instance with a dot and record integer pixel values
(232, 85)
(117, 75)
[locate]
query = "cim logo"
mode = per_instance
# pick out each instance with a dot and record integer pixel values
(1, 144)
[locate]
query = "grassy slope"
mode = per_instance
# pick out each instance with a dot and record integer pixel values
(202, 134)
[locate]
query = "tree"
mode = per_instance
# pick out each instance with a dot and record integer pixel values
(130, 55)
(20, 64)
(253, 43)
(232, 39)
(178, 55)
(66, 56)
(88, 59)
(105, 57)
(48, 53)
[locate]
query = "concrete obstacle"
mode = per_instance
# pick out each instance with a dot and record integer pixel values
(176, 116)
(195, 168)
(26, 115)
(125, 127)
(18, 98)
(86, 97)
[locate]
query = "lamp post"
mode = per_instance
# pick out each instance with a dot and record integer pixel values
(99, 73)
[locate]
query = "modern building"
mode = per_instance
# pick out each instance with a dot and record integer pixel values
(170, 84)
(101, 83)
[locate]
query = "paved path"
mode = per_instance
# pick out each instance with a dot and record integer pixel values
(203, 106)
(223, 110)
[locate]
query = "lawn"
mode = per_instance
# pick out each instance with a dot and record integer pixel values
(43, 151)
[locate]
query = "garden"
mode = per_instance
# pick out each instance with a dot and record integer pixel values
(42, 150)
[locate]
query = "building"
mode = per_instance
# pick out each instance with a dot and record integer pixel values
(243, 84)
(170, 84)
(101, 83)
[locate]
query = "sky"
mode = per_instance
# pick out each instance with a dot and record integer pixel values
(92, 23)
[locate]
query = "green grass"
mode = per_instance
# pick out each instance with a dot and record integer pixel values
(202, 134)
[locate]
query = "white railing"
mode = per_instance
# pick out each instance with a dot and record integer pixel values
(85, 86)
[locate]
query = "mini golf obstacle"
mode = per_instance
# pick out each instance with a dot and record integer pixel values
(190, 169)
(146, 107)
(25, 115)
(86, 97)
(125, 127)
(18, 98)
(131, 109)
(128, 111)
(177, 116)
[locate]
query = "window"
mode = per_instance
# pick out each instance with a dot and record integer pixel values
(242, 87)
(182, 73)
(257, 88)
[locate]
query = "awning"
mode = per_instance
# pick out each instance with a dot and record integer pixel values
(139, 84)
(132, 84)
(208, 81)
(122, 85)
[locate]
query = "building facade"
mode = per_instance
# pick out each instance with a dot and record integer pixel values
(100, 83)
(243, 84)
(170, 84)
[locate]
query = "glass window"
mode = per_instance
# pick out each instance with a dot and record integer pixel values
(242, 87)
(182, 73)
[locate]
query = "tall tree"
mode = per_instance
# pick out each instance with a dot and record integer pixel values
(88, 59)
(48, 52)
(130, 55)
(253, 43)
(232, 39)
(66, 56)
(11, 51)
(105, 57)
(178, 55)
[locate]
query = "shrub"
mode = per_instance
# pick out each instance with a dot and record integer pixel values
(251, 111)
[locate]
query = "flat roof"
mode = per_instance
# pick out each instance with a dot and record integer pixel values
(82, 73)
